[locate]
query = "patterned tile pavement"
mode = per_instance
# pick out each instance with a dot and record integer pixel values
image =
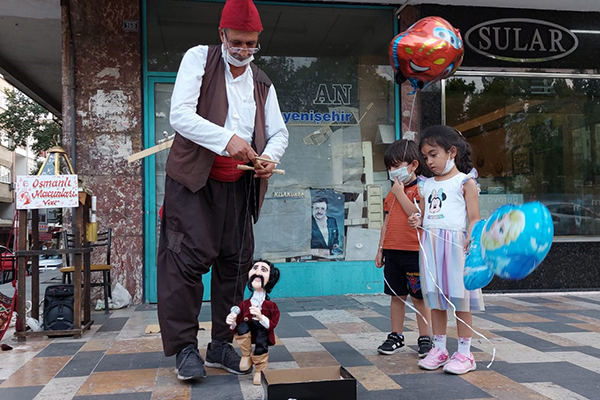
(547, 347)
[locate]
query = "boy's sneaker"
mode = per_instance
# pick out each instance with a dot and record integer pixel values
(425, 344)
(435, 359)
(391, 344)
(222, 355)
(189, 364)
(460, 364)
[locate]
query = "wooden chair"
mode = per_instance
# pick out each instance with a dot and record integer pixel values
(104, 240)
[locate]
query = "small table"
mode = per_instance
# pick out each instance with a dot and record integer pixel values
(79, 325)
(81, 262)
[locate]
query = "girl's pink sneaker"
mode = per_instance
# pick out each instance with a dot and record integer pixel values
(460, 364)
(435, 359)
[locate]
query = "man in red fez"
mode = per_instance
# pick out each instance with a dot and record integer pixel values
(225, 113)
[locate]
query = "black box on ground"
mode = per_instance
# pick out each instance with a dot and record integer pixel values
(322, 383)
(58, 307)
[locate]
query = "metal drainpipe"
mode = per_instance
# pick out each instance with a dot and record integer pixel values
(72, 90)
(72, 85)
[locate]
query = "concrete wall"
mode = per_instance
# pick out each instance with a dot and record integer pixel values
(108, 81)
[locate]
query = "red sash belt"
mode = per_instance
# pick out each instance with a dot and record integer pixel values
(224, 169)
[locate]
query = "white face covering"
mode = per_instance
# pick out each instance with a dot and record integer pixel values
(400, 173)
(234, 61)
(449, 165)
(238, 63)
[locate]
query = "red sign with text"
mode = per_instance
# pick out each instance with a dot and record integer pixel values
(46, 191)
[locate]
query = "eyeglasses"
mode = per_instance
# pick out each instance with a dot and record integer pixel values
(238, 50)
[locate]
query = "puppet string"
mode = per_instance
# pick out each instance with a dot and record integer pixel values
(442, 292)
(249, 191)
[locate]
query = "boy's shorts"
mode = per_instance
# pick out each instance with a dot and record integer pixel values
(401, 271)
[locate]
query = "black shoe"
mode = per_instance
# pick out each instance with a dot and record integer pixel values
(391, 344)
(425, 344)
(222, 355)
(190, 364)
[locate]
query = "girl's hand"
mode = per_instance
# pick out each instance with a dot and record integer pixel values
(379, 259)
(414, 221)
(467, 244)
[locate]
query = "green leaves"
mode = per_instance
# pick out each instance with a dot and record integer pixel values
(25, 119)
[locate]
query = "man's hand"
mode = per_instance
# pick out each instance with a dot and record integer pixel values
(255, 311)
(230, 320)
(240, 150)
(263, 169)
(398, 188)
(414, 221)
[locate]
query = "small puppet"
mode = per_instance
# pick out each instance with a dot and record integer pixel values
(255, 319)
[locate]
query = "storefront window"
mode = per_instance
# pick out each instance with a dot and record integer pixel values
(333, 108)
(335, 88)
(533, 139)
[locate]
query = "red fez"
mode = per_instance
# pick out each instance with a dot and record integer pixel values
(241, 15)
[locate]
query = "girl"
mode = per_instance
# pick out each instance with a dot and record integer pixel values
(449, 198)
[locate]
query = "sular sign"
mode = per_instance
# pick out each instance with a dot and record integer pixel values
(521, 40)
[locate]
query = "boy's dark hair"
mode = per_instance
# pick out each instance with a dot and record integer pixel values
(273, 277)
(446, 137)
(402, 151)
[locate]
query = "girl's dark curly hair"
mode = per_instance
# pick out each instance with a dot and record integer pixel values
(446, 137)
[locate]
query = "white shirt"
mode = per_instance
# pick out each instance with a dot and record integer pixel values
(325, 233)
(257, 299)
(445, 205)
(240, 114)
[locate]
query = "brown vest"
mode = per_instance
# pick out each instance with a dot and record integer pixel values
(189, 163)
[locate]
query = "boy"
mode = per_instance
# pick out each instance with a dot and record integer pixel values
(399, 246)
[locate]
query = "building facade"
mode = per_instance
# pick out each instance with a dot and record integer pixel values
(20, 161)
(6, 175)
(526, 98)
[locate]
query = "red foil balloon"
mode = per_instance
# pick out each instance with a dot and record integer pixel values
(430, 50)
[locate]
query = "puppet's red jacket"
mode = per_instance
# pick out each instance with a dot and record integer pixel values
(269, 310)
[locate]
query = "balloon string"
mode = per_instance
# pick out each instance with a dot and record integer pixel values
(412, 109)
(442, 292)
(390, 287)
(404, 301)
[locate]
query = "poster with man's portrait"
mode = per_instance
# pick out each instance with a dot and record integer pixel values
(327, 233)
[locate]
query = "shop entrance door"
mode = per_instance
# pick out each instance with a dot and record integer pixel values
(158, 129)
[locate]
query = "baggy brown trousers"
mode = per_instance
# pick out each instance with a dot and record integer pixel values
(211, 227)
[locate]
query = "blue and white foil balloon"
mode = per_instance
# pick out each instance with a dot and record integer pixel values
(513, 242)
(476, 274)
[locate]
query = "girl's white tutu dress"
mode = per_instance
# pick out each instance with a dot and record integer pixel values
(442, 256)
